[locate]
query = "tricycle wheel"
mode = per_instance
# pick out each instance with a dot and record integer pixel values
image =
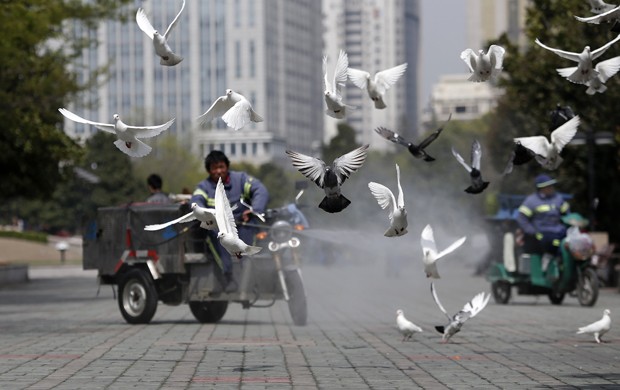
(587, 288)
(297, 305)
(556, 297)
(501, 291)
(208, 312)
(137, 297)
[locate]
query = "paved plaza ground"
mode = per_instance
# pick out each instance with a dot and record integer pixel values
(60, 331)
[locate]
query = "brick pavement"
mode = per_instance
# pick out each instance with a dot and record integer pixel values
(57, 334)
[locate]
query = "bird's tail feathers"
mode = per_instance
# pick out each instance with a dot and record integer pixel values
(591, 90)
(475, 77)
(172, 60)
(379, 103)
(336, 115)
(334, 205)
(252, 250)
(137, 148)
(440, 329)
(254, 117)
(580, 331)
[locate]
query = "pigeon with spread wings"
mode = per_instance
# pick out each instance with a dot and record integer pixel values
(377, 86)
(333, 98)
(160, 42)
(484, 66)
(418, 151)
(477, 183)
(205, 215)
(470, 310)
(431, 254)
(330, 178)
(127, 141)
(396, 207)
(236, 111)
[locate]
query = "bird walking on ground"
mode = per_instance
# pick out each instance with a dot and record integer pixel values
(470, 310)
(128, 136)
(160, 42)
(228, 235)
(598, 328)
(377, 86)
(548, 153)
(484, 66)
(477, 183)
(406, 327)
(330, 178)
(418, 151)
(206, 216)
(333, 97)
(430, 253)
(236, 111)
(584, 71)
(396, 207)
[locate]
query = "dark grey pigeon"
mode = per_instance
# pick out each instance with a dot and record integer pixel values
(520, 155)
(416, 150)
(330, 178)
(477, 184)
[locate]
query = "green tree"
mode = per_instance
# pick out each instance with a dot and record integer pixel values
(533, 88)
(35, 81)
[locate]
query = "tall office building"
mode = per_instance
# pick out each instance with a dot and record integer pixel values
(376, 35)
(268, 50)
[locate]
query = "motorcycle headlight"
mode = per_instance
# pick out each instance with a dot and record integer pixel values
(281, 231)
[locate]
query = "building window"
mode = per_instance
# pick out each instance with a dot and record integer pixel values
(244, 149)
(254, 148)
(222, 148)
(237, 59)
(233, 149)
(252, 59)
(460, 109)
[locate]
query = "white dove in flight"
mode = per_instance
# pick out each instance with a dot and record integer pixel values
(430, 253)
(228, 236)
(396, 207)
(484, 66)
(335, 107)
(160, 42)
(127, 141)
(236, 111)
(548, 153)
(377, 86)
(584, 71)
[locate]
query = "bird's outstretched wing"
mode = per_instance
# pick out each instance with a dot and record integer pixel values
(478, 302)
(608, 68)
(476, 154)
(223, 211)
(218, 108)
(340, 73)
(400, 202)
(359, 77)
(451, 248)
(174, 22)
(538, 144)
(384, 197)
(311, 167)
(186, 218)
(150, 131)
(239, 114)
(467, 56)
(561, 136)
(496, 54)
(349, 163)
(391, 136)
(438, 302)
(144, 24)
(569, 55)
(433, 136)
(460, 159)
(427, 239)
(388, 77)
(598, 52)
(76, 118)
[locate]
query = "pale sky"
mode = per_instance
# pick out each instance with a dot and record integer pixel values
(443, 34)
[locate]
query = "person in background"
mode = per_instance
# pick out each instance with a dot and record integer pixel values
(540, 217)
(154, 183)
(238, 185)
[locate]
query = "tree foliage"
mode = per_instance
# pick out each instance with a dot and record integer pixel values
(533, 88)
(35, 81)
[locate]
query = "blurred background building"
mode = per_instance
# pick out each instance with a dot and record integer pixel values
(268, 50)
(376, 35)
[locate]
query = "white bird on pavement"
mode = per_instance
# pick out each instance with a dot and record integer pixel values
(430, 254)
(406, 327)
(228, 236)
(378, 86)
(470, 310)
(335, 107)
(396, 208)
(584, 71)
(206, 216)
(330, 178)
(236, 111)
(599, 6)
(598, 328)
(484, 66)
(160, 42)
(127, 141)
(548, 153)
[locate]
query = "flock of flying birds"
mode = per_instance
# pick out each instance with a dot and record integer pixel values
(236, 111)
